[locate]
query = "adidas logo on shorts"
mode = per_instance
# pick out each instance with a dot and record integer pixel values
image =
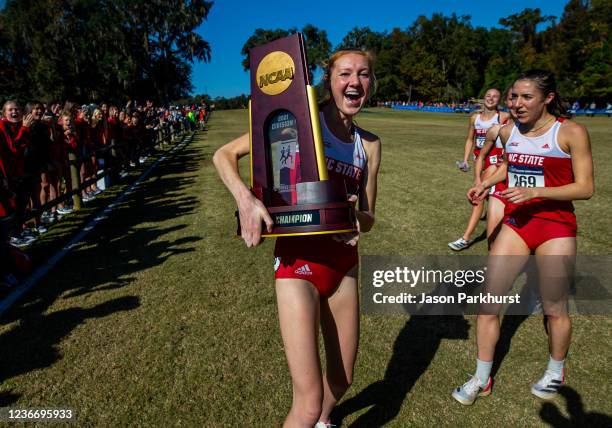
(304, 270)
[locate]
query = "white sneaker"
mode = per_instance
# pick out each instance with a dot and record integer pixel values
(324, 425)
(548, 385)
(460, 244)
(467, 393)
(64, 210)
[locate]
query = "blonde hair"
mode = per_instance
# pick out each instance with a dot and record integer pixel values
(95, 121)
(7, 102)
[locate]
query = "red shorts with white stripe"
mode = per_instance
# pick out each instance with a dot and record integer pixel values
(497, 190)
(320, 260)
(535, 231)
(494, 157)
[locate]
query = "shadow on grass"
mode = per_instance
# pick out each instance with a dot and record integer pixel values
(31, 345)
(550, 414)
(7, 398)
(413, 351)
(128, 242)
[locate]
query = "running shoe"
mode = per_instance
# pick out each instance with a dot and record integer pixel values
(548, 385)
(29, 233)
(324, 425)
(96, 192)
(460, 244)
(21, 241)
(41, 229)
(87, 198)
(47, 218)
(467, 393)
(64, 210)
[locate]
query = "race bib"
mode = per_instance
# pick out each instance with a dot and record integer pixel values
(481, 137)
(525, 176)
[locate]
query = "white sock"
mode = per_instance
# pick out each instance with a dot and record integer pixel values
(483, 371)
(555, 366)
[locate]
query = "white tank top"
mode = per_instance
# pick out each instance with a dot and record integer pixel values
(539, 162)
(345, 161)
(480, 129)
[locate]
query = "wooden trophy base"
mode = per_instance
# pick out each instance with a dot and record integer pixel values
(322, 208)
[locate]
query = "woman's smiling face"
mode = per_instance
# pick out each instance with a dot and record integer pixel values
(350, 82)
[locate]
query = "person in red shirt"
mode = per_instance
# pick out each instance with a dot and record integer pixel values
(98, 141)
(66, 141)
(14, 140)
(37, 160)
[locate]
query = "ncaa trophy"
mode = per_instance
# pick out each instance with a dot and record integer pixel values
(288, 167)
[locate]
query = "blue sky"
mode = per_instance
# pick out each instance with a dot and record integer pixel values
(231, 22)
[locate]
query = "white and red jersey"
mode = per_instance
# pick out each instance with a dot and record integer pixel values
(539, 162)
(496, 154)
(345, 161)
(480, 131)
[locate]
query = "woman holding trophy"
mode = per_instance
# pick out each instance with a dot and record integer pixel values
(316, 276)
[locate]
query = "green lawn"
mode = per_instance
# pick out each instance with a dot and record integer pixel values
(161, 317)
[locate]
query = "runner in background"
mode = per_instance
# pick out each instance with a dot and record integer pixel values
(478, 125)
(492, 154)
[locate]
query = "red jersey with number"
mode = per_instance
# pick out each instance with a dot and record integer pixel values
(480, 131)
(539, 162)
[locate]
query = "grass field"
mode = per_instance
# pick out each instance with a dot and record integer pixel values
(161, 317)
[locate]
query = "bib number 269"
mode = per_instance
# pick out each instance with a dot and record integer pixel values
(525, 181)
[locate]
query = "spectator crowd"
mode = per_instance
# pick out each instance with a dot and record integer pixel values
(40, 144)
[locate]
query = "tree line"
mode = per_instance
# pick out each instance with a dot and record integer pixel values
(446, 58)
(121, 49)
(111, 50)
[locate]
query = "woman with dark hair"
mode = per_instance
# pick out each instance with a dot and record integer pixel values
(548, 165)
(38, 159)
(316, 276)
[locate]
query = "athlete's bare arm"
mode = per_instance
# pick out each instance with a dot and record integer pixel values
(469, 141)
(503, 116)
(574, 139)
(251, 211)
(492, 134)
(479, 191)
(367, 202)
